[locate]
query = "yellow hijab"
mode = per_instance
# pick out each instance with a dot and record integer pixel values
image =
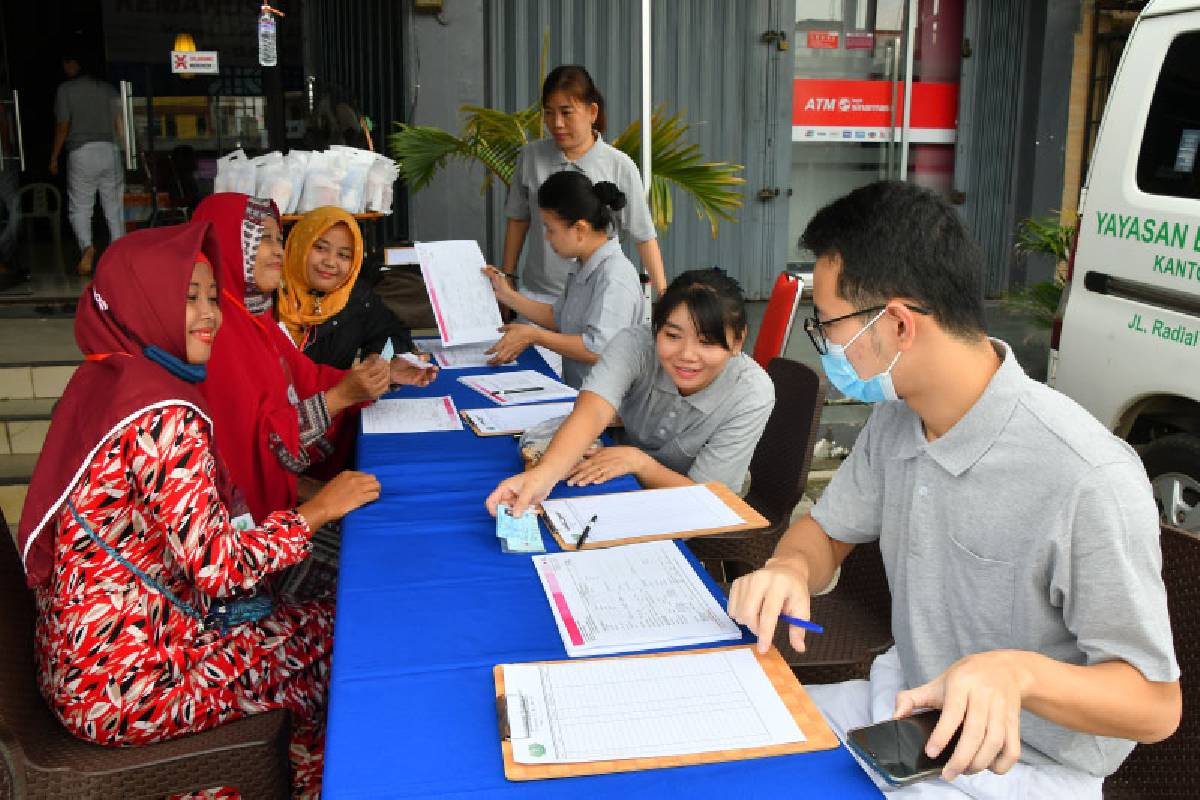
(299, 305)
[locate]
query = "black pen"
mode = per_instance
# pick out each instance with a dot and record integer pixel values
(522, 389)
(586, 530)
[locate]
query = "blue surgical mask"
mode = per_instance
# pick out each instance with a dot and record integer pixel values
(192, 373)
(842, 375)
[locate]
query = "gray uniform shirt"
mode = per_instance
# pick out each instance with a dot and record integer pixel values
(89, 107)
(1026, 526)
(709, 435)
(545, 271)
(601, 297)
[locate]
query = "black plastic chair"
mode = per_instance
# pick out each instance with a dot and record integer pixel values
(778, 470)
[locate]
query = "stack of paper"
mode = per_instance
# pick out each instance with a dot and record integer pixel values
(464, 304)
(417, 415)
(643, 707)
(516, 388)
(637, 597)
(460, 357)
(518, 534)
(514, 419)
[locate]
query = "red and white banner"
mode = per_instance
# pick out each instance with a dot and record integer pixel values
(849, 110)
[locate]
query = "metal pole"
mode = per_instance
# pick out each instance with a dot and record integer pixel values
(646, 122)
(910, 46)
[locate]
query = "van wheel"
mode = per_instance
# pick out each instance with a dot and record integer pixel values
(1173, 464)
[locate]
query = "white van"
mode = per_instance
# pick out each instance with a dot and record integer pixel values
(1127, 346)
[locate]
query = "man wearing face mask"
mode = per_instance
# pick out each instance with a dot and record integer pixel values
(1020, 536)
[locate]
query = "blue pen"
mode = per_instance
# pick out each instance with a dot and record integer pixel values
(802, 623)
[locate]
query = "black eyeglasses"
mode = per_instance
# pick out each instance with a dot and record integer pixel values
(815, 328)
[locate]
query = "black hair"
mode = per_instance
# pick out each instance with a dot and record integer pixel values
(576, 82)
(900, 240)
(714, 301)
(572, 196)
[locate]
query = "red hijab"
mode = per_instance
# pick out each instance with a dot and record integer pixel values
(256, 375)
(138, 299)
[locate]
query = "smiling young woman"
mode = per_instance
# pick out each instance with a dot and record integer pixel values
(573, 114)
(692, 403)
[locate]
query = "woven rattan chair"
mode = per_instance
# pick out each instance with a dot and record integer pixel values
(40, 759)
(778, 470)
(1170, 769)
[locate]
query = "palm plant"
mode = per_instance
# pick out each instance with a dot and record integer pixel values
(494, 138)
(1046, 236)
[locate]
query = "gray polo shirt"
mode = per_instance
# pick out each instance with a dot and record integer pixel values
(709, 435)
(545, 271)
(89, 107)
(601, 297)
(1026, 526)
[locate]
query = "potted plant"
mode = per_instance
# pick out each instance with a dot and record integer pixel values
(494, 138)
(1046, 236)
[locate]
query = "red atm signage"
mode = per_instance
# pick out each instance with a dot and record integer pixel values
(824, 109)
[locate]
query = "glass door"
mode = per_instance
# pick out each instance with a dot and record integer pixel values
(857, 62)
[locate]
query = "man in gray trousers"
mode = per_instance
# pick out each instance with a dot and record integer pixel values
(89, 126)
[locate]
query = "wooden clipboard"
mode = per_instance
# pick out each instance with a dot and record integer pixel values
(798, 703)
(616, 423)
(753, 521)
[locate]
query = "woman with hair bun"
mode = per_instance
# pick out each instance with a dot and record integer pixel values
(573, 114)
(602, 293)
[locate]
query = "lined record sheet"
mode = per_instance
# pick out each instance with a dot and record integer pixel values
(646, 513)
(514, 419)
(518, 388)
(464, 304)
(643, 707)
(637, 597)
(415, 415)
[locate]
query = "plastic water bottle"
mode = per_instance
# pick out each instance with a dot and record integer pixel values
(267, 53)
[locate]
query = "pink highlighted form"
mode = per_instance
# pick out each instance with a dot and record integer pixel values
(564, 611)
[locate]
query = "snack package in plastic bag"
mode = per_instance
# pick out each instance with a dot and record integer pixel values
(322, 182)
(535, 440)
(296, 164)
(273, 180)
(235, 173)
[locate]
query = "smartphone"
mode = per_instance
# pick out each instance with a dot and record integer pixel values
(896, 748)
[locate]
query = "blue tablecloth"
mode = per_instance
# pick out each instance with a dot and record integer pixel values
(427, 605)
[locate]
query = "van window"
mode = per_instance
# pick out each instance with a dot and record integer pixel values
(1170, 144)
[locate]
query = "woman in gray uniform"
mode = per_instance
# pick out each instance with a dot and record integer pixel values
(603, 293)
(573, 109)
(693, 405)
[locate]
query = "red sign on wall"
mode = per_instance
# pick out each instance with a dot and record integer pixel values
(823, 40)
(845, 108)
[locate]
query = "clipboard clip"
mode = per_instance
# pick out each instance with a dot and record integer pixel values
(502, 718)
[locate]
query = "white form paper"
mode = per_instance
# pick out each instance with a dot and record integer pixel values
(416, 415)
(650, 512)
(464, 305)
(515, 419)
(637, 597)
(460, 357)
(518, 388)
(644, 707)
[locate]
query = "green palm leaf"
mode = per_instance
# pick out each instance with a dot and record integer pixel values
(420, 151)
(494, 139)
(712, 185)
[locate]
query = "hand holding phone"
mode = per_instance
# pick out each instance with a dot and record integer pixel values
(896, 748)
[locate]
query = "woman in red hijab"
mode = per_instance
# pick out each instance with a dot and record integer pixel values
(276, 412)
(146, 629)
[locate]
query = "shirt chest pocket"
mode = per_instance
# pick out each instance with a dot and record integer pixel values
(979, 596)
